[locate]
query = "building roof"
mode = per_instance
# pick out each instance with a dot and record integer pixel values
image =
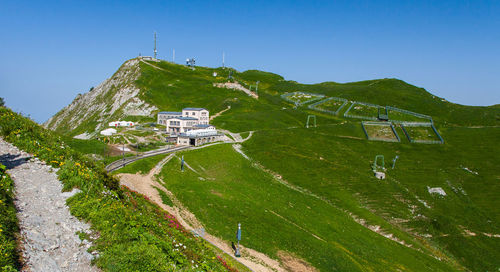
(194, 109)
(170, 112)
(183, 118)
(202, 126)
(184, 135)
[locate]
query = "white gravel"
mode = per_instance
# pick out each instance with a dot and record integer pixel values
(48, 231)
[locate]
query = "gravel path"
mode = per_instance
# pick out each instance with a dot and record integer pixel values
(49, 242)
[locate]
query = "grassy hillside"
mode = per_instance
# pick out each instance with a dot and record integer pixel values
(176, 86)
(333, 162)
(327, 182)
(339, 170)
(171, 87)
(130, 233)
(278, 218)
(9, 225)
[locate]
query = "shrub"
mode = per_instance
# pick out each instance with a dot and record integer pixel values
(130, 232)
(9, 257)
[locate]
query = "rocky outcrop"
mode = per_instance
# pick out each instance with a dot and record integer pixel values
(114, 98)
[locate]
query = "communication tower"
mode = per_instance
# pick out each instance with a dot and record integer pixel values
(155, 51)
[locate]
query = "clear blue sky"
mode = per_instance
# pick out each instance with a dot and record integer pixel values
(52, 50)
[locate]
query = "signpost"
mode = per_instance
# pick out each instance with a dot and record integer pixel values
(182, 163)
(238, 237)
(394, 161)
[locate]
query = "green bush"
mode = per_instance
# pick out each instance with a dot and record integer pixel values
(9, 257)
(130, 233)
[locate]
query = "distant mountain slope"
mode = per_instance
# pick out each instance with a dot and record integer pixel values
(142, 88)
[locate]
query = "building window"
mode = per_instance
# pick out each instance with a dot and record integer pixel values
(193, 113)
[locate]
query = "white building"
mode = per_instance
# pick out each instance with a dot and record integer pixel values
(181, 122)
(200, 136)
(163, 116)
(121, 124)
(199, 113)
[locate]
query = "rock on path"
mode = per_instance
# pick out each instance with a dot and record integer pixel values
(48, 238)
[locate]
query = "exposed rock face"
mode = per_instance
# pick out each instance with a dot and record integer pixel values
(114, 98)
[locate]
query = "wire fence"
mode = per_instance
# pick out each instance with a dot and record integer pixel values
(314, 97)
(396, 138)
(418, 115)
(427, 122)
(314, 106)
(347, 114)
(422, 141)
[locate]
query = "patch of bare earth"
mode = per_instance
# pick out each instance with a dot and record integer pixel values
(295, 264)
(236, 86)
(144, 184)
(219, 113)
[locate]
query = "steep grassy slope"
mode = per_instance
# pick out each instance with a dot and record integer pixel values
(9, 224)
(176, 87)
(228, 189)
(328, 169)
(338, 170)
(129, 232)
(141, 88)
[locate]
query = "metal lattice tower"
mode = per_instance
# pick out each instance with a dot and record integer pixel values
(155, 51)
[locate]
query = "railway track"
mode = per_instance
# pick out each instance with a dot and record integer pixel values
(128, 160)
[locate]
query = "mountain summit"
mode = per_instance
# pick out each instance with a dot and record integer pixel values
(113, 99)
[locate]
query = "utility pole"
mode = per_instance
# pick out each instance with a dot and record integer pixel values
(123, 152)
(155, 51)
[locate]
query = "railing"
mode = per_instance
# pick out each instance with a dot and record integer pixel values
(123, 162)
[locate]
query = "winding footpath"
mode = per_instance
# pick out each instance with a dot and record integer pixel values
(48, 231)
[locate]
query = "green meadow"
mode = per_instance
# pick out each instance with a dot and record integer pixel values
(323, 182)
(230, 189)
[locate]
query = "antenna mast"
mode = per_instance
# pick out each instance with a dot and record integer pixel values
(173, 55)
(155, 51)
(223, 55)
